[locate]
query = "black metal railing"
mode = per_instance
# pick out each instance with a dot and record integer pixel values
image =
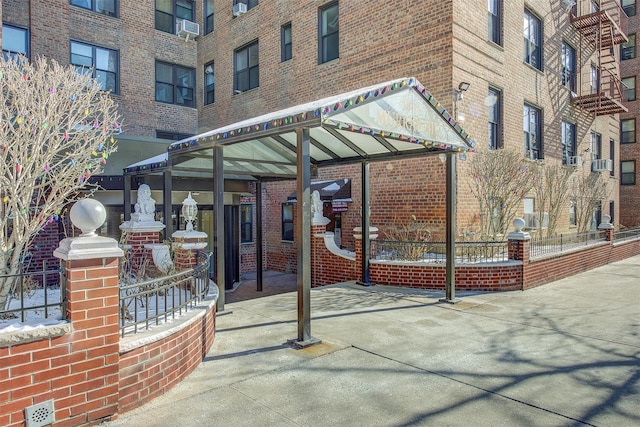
(466, 252)
(542, 246)
(156, 301)
(35, 295)
(622, 235)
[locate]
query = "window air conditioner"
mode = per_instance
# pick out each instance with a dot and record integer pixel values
(574, 161)
(239, 9)
(187, 28)
(601, 165)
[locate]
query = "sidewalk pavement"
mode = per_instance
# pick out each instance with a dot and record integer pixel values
(563, 354)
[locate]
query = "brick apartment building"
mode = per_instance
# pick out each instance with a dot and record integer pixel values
(256, 57)
(629, 148)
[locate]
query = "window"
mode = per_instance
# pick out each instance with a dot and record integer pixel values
(594, 79)
(532, 40)
(209, 84)
(596, 146)
(572, 214)
(569, 66)
(628, 49)
(595, 6)
(106, 7)
(287, 222)
(495, 21)
(246, 223)
(169, 12)
(172, 136)
(250, 3)
(629, 7)
(329, 33)
(247, 68)
(612, 210)
(175, 84)
(612, 156)
(628, 131)
(494, 100)
(568, 142)
(100, 63)
(15, 41)
(629, 88)
(628, 172)
(285, 44)
(208, 16)
(532, 132)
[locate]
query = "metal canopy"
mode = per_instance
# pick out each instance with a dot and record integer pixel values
(396, 119)
(399, 118)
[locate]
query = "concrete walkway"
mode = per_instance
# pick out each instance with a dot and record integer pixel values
(564, 354)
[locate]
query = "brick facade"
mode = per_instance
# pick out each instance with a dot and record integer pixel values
(630, 194)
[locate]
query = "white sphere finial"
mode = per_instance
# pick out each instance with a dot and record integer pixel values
(519, 224)
(88, 215)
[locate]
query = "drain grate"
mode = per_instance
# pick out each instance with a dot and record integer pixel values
(40, 415)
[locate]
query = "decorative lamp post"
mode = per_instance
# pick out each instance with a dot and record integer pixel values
(189, 212)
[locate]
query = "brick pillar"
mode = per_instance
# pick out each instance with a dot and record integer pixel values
(186, 245)
(91, 270)
(607, 227)
(519, 247)
(357, 235)
(318, 231)
(137, 234)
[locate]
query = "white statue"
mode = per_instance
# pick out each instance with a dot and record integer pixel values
(316, 205)
(145, 207)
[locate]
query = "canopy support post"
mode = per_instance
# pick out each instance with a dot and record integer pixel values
(259, 249)
(167, 188)
(218, 212)
(450, 285)
(366, 241)
(303, 238)
(127, 197)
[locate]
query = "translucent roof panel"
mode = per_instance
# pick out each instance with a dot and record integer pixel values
(392, 119)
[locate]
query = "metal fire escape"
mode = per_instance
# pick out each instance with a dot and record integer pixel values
(602, 27)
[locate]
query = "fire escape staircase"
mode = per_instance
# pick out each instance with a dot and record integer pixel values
(603, 30)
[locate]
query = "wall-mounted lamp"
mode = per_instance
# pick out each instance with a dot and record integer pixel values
(442, 157)
(463, 86)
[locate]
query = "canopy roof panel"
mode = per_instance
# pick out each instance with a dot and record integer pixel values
(394, 119)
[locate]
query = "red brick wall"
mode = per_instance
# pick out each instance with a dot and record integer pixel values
(84, 371)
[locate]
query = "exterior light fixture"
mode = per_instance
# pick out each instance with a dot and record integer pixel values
(189, 212)
(463, 86)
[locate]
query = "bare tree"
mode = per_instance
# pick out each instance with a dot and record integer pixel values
(500, 179)
(551, 190)
(586, 194)
(56, 131)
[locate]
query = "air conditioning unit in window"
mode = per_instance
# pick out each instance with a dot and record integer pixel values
(239, 9)
(574, 161)
(601, 165)
(187, 29)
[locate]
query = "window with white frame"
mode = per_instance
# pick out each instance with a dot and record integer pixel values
(594, 79)
(572, 214)
(532, 125)
(15, 41)
(532, 40)
(568, 142)
(99, 62)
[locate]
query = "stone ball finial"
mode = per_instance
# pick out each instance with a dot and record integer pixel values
(606, 219)
(519, 224)
(88, 215)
